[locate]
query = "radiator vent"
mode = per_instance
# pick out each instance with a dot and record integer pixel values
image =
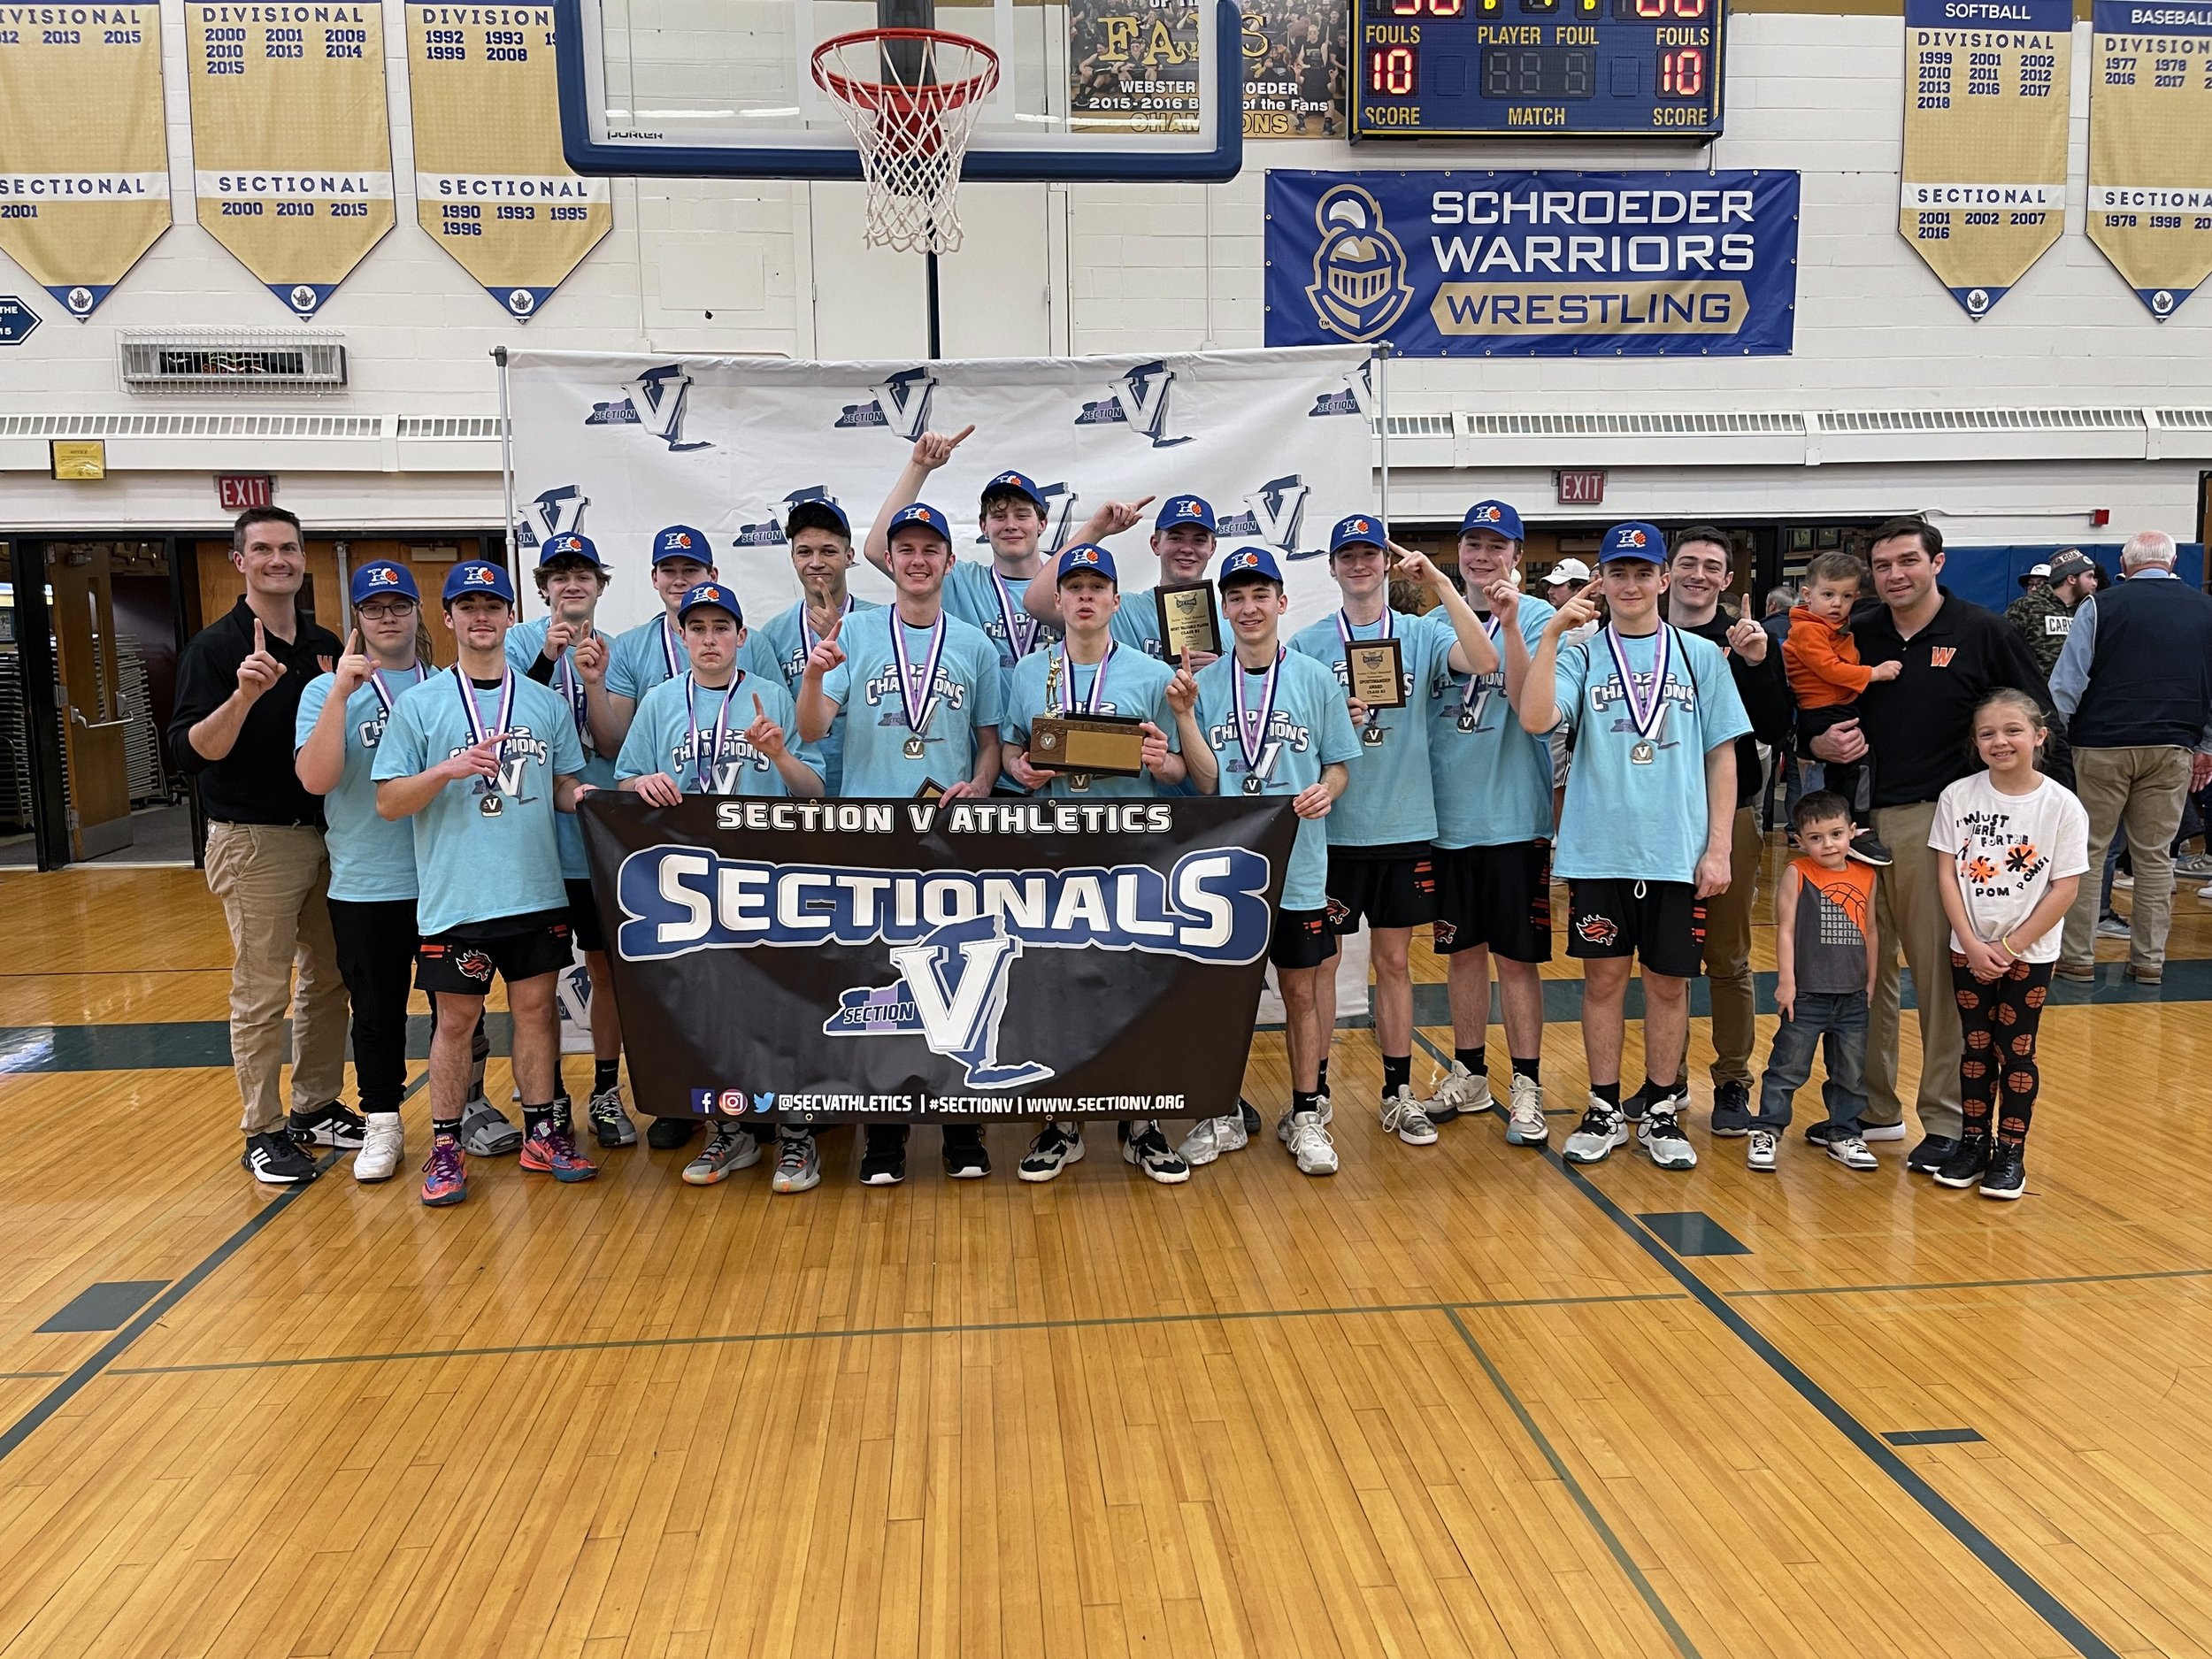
(232, 362)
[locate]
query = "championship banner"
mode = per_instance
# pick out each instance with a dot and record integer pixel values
(1984, 193)
(1510, 263)
(2150, 145)
(291, 140)
(1295, 67)
(964, 960)
(618, 446)
(84, 151)
(490, 185)
(1132, 65)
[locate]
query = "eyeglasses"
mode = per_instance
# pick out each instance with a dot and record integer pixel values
(387, 610)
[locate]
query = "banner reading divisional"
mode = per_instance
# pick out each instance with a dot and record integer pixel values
(490, 183)
(1506, 264)
(81, 198)
(1984, 193)
(2150, 145)
(903, 960)
(291, 141)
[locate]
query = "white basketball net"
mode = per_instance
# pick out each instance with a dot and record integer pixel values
(910, 122)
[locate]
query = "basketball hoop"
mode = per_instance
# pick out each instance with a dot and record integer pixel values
(911, 97)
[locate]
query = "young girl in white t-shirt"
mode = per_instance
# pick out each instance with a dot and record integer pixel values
(2019, 843)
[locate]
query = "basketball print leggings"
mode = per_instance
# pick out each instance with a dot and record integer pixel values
(1997, 1073)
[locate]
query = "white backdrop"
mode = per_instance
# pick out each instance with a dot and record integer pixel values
(617, 446)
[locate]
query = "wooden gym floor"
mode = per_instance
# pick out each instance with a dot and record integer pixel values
(1455, 1401)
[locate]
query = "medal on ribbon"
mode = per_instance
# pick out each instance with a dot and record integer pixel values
(1371, 733)
(1021, 627)
(384, 697)
(702, 759)
(1471, 699)
(488, 803)
(673, 653)
(1644, 713)
(917, 702)
(1252, 726)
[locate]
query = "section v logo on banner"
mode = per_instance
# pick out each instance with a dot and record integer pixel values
(1508, 263)
(2150, 145)
(616, 447)
(908, 960)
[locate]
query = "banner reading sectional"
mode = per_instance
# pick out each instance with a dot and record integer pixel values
(2150, 145)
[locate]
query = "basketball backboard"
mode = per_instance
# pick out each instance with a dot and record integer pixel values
(1088, 89)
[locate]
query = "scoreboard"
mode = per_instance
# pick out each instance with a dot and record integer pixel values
(1492, 68)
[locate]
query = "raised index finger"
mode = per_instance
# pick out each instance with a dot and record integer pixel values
(259, 642)
(960, 437)
(1141, 505)
(353, 643)
(758, 711)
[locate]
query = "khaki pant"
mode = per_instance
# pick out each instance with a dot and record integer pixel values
(1728, 954)
(2145, 788)
(1908, 911)
(273, 880)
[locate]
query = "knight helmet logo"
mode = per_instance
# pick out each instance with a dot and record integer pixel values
(901, 404)
(1138, 399)
(304, 300)
(662, 394)
(1359, 270)
(951, 992)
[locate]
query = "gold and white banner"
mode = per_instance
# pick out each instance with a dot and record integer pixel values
(2150, 145)
(84, 153)
(291, 139)
(490, 185)
(1984, 194)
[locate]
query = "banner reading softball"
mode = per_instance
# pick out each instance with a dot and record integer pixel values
(2150, 145)
(490, 184)
(84, 153)
(291, 144)
(1985, 165)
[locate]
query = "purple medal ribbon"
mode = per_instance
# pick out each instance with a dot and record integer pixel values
(1643, 714)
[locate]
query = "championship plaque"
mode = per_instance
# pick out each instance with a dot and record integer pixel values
(1377, 670)
(1187, 621)
(931, 790)
(1105, 743)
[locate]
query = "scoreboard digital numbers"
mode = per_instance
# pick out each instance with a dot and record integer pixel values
(1492, 68)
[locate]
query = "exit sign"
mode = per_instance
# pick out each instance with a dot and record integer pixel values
(238, 491)
(1584, 488)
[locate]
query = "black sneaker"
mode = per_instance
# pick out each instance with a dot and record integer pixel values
(965, 1160)
(1149, 1151)
(1969, 1156)
(1931, 1154)
(1251, 1114)
(883, 1158)
(328, 1125)
(1866, 848)
(2008, 1173)
(1056, 1146)
(665, 1135)
(276, 1160)
(1731, 1112)
(1675, 1099)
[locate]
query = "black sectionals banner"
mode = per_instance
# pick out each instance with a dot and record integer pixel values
(953, 960)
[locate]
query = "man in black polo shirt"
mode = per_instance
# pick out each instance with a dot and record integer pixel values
(1916, 727)
(238, 696)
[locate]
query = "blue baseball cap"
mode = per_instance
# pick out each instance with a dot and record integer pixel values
(1633, 541)
(1493, 515)
(1248, 563)
(384, 577)
(1087, 556)
(570, 546)
(682, 541)
(1360, 527)
(714, 596)
(1015, 484)
(474, 576)
(1184, 510)
(921, 513)
(823, 504)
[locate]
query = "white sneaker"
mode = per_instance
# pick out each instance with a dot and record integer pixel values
(1883, 1131)
(1602, 1128)
(1210, 1137)
(1402, 1115)
(1460, 1094)
(1852, 1154)
(1662, 1135)
(1308, 1139)
(1524, 1125)
(1761, 1154)
(2115, 927)
(381, 1147)
(2205, 892)
(2123, 882)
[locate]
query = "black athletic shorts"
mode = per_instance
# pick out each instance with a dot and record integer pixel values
(1302, 940)
(1494, 896)
(462, 962)
(1662, 923)
(583, 917)
(1392, 887)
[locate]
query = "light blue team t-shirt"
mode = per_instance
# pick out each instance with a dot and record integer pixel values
(783, 642)
(1388, 800)
(662, 737)
(1309, 729)
(654, 652)
(973, 596)
(1491, 778)
(1136, 689)
(967, 693)
(372, 859)
(472, 868)
(1137, 622)
(525, 645)
(1640, 822)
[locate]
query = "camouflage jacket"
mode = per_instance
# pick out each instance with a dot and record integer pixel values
(2043, 619)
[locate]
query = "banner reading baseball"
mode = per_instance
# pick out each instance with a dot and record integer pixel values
(291, 140)
(82, 197)
(490, 184)
(2150, 145)
(616, 447)
(1985, 165)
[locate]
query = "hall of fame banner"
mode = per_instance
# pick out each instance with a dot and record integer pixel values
(1513, 263)
(617, 446)
(1984, 177)
(2150, 145)
(957, 960)
(1133, 65)
(84, 153)
(491, 188)
(291, 139)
